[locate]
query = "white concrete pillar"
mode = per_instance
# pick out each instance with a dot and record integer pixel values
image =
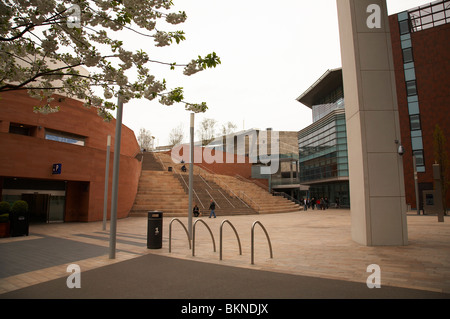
(377, 194)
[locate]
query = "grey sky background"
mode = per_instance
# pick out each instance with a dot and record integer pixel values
(271, 52)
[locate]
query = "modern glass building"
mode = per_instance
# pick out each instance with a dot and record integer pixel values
(323, 156)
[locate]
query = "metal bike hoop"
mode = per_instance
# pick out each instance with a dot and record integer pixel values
(170, 233)
(193, 235)
(235, 232)
(253, 240)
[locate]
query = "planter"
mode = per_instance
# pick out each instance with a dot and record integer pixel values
(4, 229)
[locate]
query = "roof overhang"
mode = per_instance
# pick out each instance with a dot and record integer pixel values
(329, 81)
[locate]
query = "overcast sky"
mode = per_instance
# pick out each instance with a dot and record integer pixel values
(271, 52)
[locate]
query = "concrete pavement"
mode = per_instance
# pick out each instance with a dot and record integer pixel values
(313, 257)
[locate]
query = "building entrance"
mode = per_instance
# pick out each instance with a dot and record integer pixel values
(46, 199)
(38, 207)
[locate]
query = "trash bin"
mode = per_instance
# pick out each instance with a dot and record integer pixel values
(19, 224)
(154, 230)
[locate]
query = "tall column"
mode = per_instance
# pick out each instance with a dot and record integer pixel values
(378, 207)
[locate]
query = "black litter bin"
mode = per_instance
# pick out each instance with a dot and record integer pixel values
(154, 230)
(19, 224)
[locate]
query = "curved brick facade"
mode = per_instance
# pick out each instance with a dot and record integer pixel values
(28, 157)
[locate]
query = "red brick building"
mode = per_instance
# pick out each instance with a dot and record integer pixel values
(421, 50)
(75, 138)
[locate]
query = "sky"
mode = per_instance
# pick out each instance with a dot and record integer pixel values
(271, 52)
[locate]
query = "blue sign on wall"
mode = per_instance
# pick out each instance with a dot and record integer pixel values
(56, 169)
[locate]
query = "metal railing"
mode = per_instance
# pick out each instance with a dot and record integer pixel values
(226, 198)
(251, 201)
(193, 235)
(170, 233)
(253, 240)
(187, 187)
(287, 196)
(235, 232)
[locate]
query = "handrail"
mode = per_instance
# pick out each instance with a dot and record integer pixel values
(195, 193)
(170, 233)
(287, 196)
(258, 207)
(235, 232)
(227, 188)
(257, 183)
(218, 206)
(159, 158)
(253, 240)
(193, 236)
(226, 198)
(136, 153)
(204, 181)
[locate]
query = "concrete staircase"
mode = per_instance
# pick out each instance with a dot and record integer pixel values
(151, 163)
(205, 190)
(257, 198)
(166, 190)
(159, 190)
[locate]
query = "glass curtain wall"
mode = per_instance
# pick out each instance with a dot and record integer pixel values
(323, 150)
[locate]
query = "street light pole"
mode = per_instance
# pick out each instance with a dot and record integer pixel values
(416, 185)
(105, 197)
(115, 180)
(191, 175)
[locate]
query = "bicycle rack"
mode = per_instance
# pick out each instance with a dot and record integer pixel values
(193, 236)
(170, 233)
(237, 236)
(253, 239)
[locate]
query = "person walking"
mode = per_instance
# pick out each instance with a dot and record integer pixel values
(212, 207)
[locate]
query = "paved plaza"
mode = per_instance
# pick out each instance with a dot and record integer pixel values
(313, 257)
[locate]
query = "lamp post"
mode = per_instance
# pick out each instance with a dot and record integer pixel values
(416, 184)
(115, 180)
(105, 197)
(191, 174)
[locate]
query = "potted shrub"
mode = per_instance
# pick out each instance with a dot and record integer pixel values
(5, 209)
(19, 217)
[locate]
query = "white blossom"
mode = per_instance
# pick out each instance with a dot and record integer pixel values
(176, 18)
(165, 100)
(107, 94)
(162, 39)
(49, 45)
(57, 46)
(192, 68)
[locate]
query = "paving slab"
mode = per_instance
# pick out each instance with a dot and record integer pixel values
(313, 257)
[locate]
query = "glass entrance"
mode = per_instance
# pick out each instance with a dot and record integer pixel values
(38, 206)
(56, 209)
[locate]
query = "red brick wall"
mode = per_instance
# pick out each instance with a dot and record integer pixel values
(82, 166)
(431, 50)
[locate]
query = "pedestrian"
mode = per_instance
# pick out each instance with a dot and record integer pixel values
(196, 210)
(313, 203)
(212, 207)
(305, 204)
